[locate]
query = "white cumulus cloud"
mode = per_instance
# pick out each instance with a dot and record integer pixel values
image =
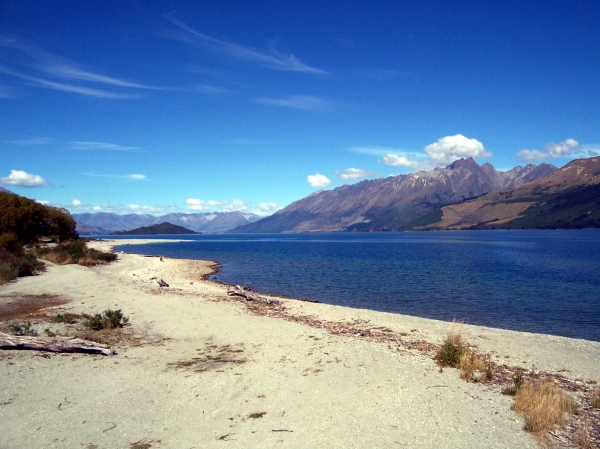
(318, 181)
(262, 209)
(354, 174)
(19, 178)
(400, 161)
(441, 153)
(76, 203)
(551, 150)
(136, 208)
(450, 148)
(267, 208)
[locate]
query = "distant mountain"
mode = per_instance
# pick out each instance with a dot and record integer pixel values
(84, 229)
(568, 198)
(392, 203)
(162, 228)
(201, 222)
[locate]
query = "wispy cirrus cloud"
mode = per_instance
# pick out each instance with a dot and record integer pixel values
(212, 91)
(45, 64)
(6, 91)
(82, 90)
(248, 142)
(273, 60)
(101, 146)
(131, 177)
(31, 142)
(302, 102)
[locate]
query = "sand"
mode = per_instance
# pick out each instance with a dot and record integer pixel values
(257, 381)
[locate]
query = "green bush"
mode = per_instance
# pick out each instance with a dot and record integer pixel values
(67, 318)
(110, 319)
(10, 242)
(13, 265)
(22, 329)
(73, 251)
(451, 351)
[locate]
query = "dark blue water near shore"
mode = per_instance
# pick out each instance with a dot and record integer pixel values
(535, 281)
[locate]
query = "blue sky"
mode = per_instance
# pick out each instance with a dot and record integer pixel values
(158, 106)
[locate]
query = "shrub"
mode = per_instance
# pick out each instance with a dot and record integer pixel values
(543, 405)
(68, 318)
(110, 319)
(451, 351)
(22, 329)
(74, 251)
(13, 265)
(10, 242)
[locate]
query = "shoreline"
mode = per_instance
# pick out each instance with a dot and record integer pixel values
(202, 369)
(219, 265)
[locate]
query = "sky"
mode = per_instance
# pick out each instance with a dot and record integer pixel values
(139, 106)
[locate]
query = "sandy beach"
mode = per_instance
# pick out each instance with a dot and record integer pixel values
(197, 369)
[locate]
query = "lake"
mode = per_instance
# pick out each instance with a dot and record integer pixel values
(534, 281)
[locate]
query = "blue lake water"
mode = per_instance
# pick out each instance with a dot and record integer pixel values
(534, 281)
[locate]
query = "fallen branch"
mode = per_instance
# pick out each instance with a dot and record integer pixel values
(248, 295)
(162, 283)
(53, 344)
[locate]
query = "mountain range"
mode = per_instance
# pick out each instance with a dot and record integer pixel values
(106, 222)
(394, 202)
(568, 198)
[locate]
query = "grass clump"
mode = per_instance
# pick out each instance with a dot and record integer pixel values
(22, 329)
(595, 399)
(109, 319)
(469, 364)
(543, 405)
(518, 382)
(583, 440)
(452, 350)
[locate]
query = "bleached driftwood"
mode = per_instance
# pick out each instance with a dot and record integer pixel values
(248, 295)
(53, 344)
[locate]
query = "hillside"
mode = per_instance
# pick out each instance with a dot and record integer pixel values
(85, 229)
(568, 198)
(161, 228)
(202, 222)
(394, 202)
(29, 220)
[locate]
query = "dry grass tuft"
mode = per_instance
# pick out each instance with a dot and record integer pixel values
(543, 405)
(583, 440)
(595, 399)
(469, 364)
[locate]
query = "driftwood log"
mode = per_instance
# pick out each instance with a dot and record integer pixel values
(53, 344)
(248, 295)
